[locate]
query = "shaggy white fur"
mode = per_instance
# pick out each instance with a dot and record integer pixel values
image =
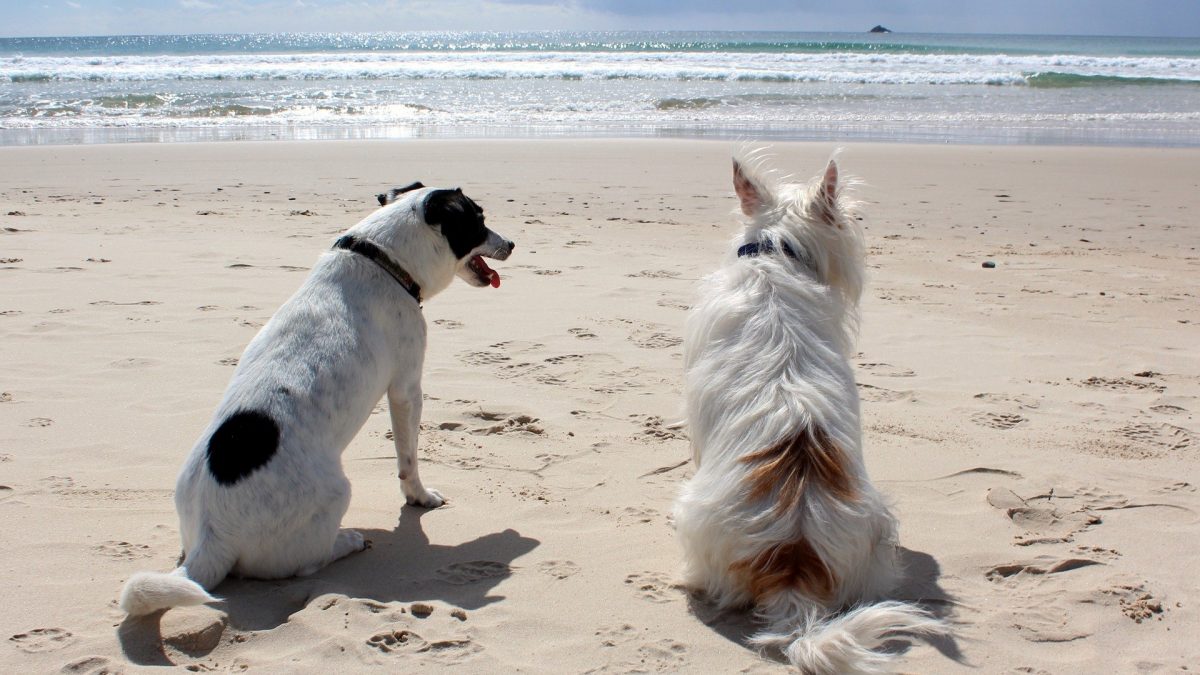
(780, 514)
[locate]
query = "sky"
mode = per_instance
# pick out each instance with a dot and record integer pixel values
(21, 18)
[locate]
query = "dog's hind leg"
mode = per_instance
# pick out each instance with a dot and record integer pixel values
(307, 539)
(347, 541)
(404, 403)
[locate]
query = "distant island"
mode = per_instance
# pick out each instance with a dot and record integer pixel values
(879, 29)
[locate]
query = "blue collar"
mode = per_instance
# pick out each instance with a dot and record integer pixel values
(766, 246)
(754, 248)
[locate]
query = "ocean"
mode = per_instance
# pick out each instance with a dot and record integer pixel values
(840, 87)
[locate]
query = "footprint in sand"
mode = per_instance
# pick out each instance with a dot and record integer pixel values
(1181, 486)
(1167, 437)
(448, 324)
(1002, 421)
(559, 569)
(1042, 566)
(41, 640)
(39, 422)
(663, 656)
(133, 362)
(652, 427)
(1121, 384)
(1041, 519)
(654, 274)
(636, 515)
(1097, 552)
(873, 394)
(653, 586)
(1168, 409)
(1134, 601)
(470, 572)
(582, 333)
(91, 665)
(507, 424)
(611, 636)
(482, 358)
(5, 397)
(650, 656)
(517, 370)
(123, 550)
(655, 340)
(397, 641)
(1046, 621)
(1017, 401)
(886, 370)
(228, 361)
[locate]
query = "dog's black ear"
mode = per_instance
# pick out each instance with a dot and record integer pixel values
(388, 197)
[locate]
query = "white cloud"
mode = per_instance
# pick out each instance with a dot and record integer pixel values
(74, 5)
(196, 4)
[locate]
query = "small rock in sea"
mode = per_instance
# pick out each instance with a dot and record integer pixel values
(988, 264)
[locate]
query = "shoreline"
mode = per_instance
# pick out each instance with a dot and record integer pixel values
(1034, 423)
(1051, 135)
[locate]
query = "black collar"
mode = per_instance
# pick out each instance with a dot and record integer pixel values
(376, 255)
(756, 248)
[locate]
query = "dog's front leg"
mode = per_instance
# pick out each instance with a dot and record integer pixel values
(404, 403)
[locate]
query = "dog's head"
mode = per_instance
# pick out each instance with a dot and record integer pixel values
(459, 221)
(815, 218)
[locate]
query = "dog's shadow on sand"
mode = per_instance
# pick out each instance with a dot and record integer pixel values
(920, 587)
(401, 565)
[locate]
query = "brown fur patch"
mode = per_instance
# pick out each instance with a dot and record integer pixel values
(789, 467)
(786, 470)
(795, 565)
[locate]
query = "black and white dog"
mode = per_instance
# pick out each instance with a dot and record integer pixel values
(262, 493)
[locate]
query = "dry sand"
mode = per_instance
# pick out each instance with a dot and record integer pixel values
(1035, 423)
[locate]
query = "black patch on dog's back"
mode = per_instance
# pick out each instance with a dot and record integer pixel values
(460, 218)
(244, 442)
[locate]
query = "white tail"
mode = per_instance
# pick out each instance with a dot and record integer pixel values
(147, 592)
(845, 644)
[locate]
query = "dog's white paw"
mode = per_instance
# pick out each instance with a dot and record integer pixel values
(351, 541)
(429, 499)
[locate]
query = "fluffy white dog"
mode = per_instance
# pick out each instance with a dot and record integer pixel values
(780, 514)
(262, 493)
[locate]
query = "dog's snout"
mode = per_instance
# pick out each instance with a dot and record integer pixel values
(509, 245)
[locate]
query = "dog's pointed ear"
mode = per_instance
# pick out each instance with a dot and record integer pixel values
(828, 193)
(752, 195)
(829, 182)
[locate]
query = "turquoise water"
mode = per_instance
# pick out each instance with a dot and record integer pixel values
(798, 86)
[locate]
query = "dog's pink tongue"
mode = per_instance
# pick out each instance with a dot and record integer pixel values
(493, 275)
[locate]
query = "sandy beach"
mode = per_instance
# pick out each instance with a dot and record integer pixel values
(1035, 423)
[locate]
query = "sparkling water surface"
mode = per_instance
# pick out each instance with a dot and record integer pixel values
(785, 86)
